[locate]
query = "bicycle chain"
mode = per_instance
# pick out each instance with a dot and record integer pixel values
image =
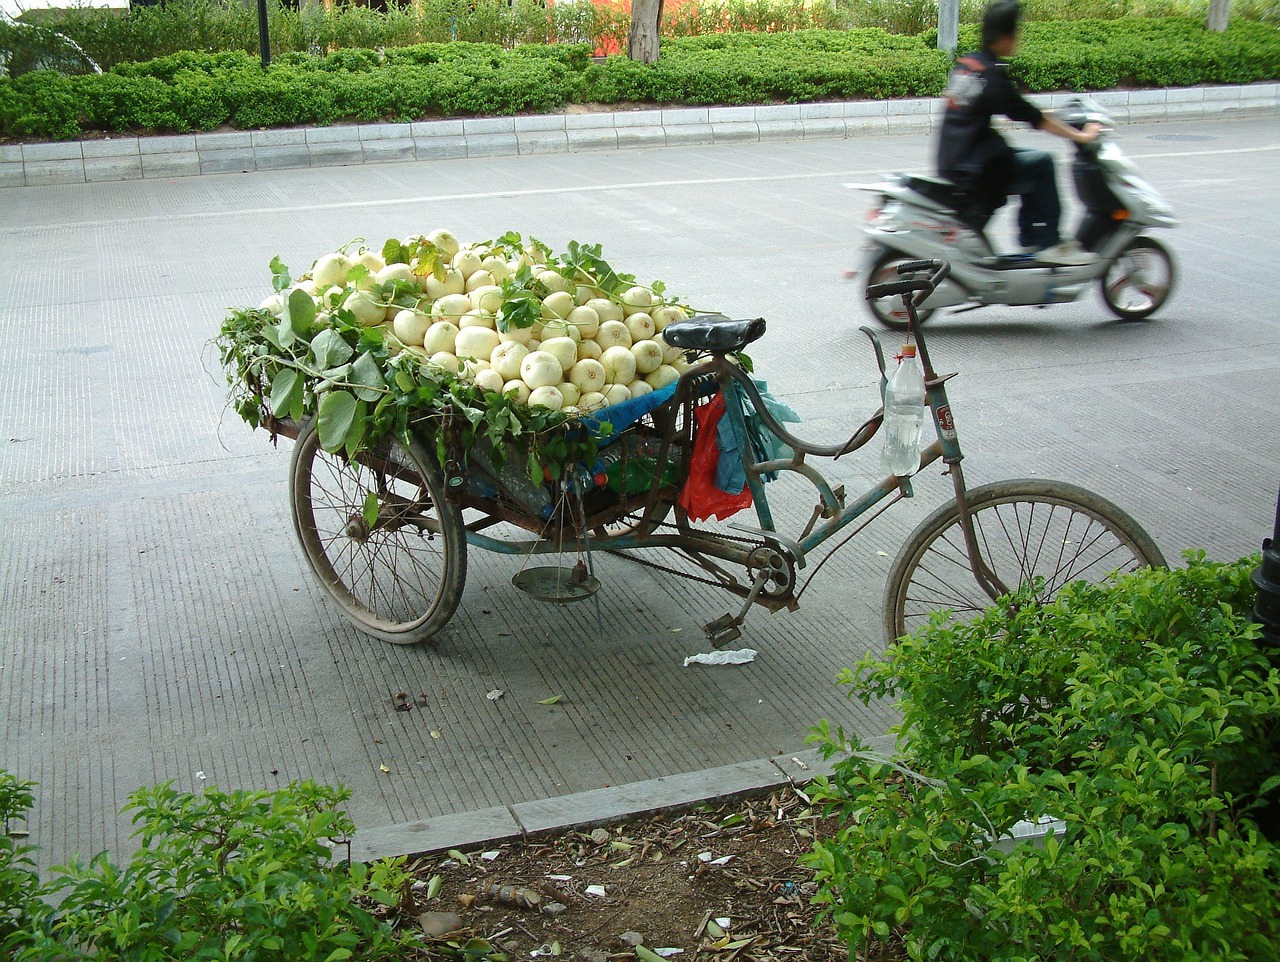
(688, 576)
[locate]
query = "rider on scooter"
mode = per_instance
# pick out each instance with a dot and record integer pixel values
(972, 155)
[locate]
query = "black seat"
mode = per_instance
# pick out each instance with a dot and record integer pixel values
(713, 332)
(940, 192)
(969, 209)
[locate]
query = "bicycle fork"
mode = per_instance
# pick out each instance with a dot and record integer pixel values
(987, 579)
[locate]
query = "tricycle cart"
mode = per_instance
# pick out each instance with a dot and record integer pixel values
(386, 532)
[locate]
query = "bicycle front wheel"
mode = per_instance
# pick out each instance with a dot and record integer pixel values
(1025, 529)
(380, 536)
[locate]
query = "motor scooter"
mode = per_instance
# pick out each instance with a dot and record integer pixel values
(920, 218)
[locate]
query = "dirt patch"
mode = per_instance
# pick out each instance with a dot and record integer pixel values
(720, 882)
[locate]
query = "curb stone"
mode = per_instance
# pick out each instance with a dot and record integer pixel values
(585, 810)
(78, 162)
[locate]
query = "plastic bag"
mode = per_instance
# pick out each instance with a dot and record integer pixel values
(700, 497)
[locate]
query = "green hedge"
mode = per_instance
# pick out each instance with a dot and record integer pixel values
(762, 68)
(1143, 714)
(188, 91)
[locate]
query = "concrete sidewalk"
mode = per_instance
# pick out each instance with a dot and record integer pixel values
(133, 158)
(158, 619)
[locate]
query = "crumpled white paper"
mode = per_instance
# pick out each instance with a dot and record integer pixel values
(739, 657)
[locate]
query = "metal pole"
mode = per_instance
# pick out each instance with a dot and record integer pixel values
(264, 42)
(948, 25)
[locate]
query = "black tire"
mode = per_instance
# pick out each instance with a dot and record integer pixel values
(1024, 529)
(401, 579)
(1138, 282)
(889, 310)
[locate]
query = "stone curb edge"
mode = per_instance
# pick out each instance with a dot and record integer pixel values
(137, 158)
(585, 810)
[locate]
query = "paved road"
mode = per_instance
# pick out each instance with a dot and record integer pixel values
(157, 619)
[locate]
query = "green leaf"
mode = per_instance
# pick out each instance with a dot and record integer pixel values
(280, 279)
(370, 513)
(330, 349)
(283, 329)
(302, 312)
(433, 886)
(336, 415)
(366, 373)
(550, 701)
(458, 856)
(286, 391)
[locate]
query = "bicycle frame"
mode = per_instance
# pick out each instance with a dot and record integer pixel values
(832, 513)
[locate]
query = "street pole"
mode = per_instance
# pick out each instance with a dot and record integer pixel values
(948, 25)
(264, 42)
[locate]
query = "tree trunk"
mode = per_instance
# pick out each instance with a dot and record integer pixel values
(642, 38)
(1219, 14)
(948, 25)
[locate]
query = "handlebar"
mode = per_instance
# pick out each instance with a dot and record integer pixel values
(924, 285)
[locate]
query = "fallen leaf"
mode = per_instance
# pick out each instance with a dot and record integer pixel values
(495, 694)
(384, 768)
(435, 734)
(550, 701)
(433, 886)
(457, 856)
(596, 890)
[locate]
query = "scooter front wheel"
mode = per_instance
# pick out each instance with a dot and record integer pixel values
(1138, 282)
(889, 310)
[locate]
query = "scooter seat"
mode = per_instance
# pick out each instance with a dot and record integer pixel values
(940, 192)
(711, 332)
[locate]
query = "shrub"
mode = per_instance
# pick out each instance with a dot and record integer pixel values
(227, 875)
(20, 905)
(1140, 712)
(40, 104)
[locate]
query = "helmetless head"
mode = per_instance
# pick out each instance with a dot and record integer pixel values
(1000, 27)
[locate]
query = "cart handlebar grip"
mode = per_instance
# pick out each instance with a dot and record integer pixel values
(889, 288)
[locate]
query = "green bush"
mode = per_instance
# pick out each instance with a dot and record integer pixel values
(20, 905)
(760, 68)
(189, 90)
(1167, 52)
(219, 875)
(1141, 713)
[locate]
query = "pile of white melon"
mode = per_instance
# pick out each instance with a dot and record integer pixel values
(586, 350)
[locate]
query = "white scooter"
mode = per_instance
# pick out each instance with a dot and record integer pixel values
(916, 218)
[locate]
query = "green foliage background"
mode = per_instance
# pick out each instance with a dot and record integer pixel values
(186, 90)
(1142, 713)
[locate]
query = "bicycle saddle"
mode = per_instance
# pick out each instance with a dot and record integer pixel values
(713, 332)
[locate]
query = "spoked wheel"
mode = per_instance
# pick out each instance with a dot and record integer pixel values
(1139, 281)
(889, 310)
(380, 536)
(1024, 529)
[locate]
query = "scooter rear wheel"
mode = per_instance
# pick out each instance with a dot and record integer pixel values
(889, 310)
(1138, 282)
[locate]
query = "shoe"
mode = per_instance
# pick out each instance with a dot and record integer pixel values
(1067, 253)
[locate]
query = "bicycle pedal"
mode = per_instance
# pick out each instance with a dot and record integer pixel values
(722, 631)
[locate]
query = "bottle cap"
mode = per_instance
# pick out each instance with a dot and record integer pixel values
(908, 350)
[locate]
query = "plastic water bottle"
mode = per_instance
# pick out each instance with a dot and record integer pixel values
(903, 416)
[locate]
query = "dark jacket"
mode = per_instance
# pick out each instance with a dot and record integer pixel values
(970, 152)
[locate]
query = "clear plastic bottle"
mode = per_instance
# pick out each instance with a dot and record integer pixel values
(903, 416)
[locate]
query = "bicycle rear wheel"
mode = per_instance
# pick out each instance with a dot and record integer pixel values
(1025, 529)
(380, 536)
